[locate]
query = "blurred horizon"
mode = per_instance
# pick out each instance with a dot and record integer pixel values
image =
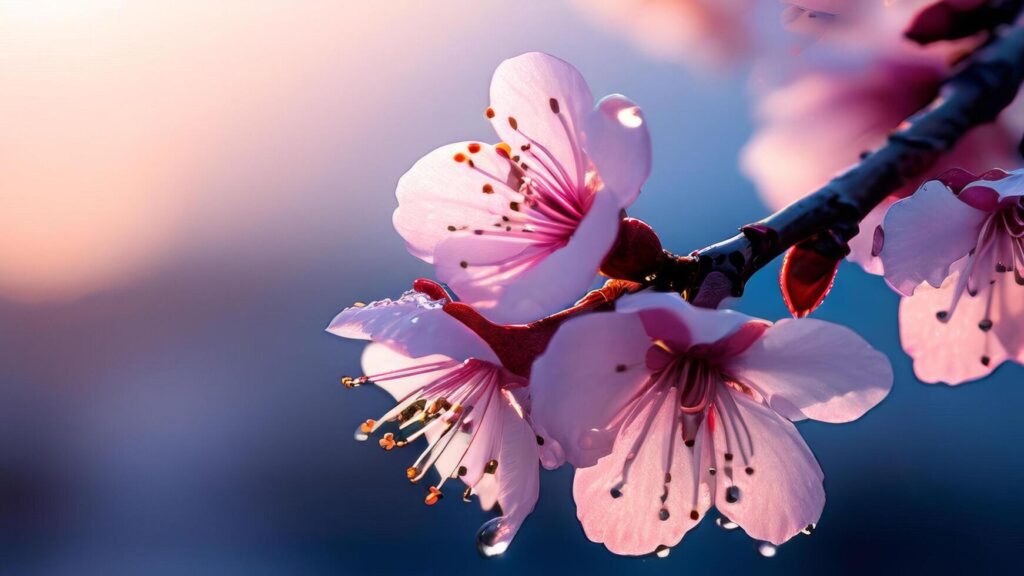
(189, 192)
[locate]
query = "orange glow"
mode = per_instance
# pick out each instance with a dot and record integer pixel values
(131, 128)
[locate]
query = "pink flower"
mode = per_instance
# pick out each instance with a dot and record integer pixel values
(668, 409)
(453, 390)
(955, 250)
(819, 111)
(519, 229)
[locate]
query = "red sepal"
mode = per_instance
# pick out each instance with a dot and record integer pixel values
(636, 254)
(806, 279)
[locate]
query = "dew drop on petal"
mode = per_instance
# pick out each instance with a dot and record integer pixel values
(767, 549)
(493, 539)
(589, 439)
(809, 529)
(630, 117)
(726, 524)
(662, 551)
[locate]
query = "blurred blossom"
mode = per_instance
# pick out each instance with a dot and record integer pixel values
(818, 111)
(706, 33)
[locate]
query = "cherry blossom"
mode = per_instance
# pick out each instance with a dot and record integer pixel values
(955, 250)
(451, 389)
(667, 409)
(518, 229)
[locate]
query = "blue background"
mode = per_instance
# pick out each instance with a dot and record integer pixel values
(191, 420)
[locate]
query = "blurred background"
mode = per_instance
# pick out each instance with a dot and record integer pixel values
(189, 191)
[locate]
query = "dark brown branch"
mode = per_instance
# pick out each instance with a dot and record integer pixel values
(975, 95)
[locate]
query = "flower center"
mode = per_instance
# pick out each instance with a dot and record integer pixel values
(546, 199)
(699, 392)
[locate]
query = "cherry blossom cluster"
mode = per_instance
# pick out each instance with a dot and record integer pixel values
(664, 408)
(515, 359)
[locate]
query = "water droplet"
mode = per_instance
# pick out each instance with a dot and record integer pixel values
(359, 435)
(630, 117)
(662, 551)
(589, 439)
(767, 549)
(726, 524)
(493, 538)
(732, 494)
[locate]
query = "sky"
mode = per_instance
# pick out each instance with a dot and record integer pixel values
(189, 191)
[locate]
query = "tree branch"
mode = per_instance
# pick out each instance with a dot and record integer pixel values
(829, 217)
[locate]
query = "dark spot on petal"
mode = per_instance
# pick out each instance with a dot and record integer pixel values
(732, 494)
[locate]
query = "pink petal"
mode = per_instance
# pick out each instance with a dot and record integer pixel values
(925, 234)
(414, 325)
(379, 359)
(548, 284)
(516, 479)
(1007, 316)
(784, 492)
(669, 318)
(808, 368)
(952, 351)
(474, 446)
(632, 523)
(592, 367)
(526, 91)
(438, 193)
(619, 144)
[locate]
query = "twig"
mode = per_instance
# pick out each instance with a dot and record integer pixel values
(984, 86)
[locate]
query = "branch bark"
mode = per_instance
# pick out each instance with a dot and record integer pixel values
(986, 84)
